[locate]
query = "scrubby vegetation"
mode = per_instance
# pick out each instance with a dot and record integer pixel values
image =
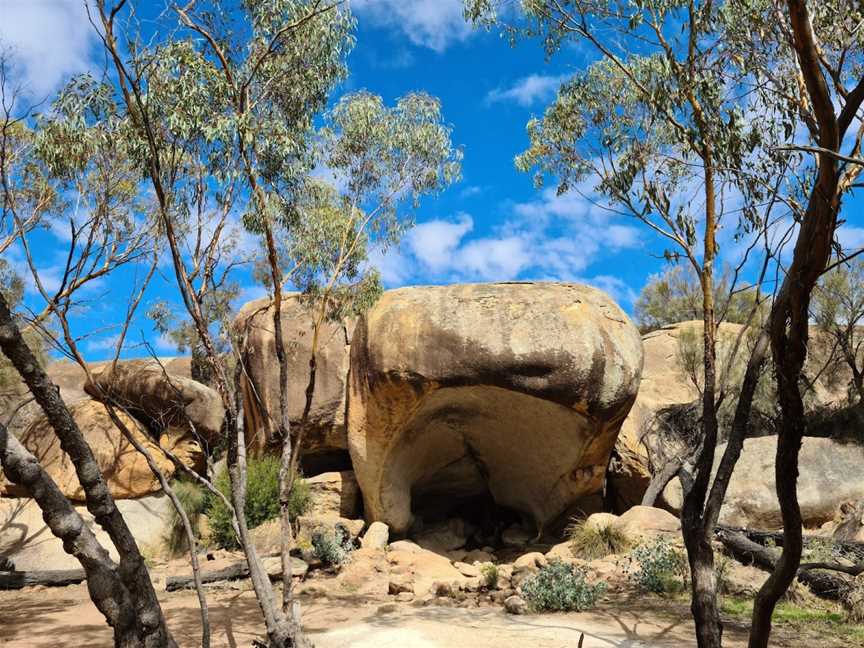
(262, 500)
(825, 620)
(331, 547)
(591, 541)
(657, 566)
(193, 498)
(559, 587)
(489, 574)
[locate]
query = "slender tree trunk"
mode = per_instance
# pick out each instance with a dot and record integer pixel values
(790, 315)
(132, 570)
(184, 519)
(697, 539)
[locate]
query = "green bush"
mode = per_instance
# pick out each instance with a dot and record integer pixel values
(590, 541)
(331, 547)
(657, 566)
(193, 499)
(561, 587)
(489, 574)
(262, 500)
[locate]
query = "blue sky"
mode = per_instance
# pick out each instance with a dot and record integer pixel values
(493, 225)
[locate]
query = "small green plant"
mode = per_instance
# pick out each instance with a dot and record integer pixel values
(561, 587)
(331, 547)
(657, 566)
(489, 574)
(193, 499)
(262, 500)
(592, 541)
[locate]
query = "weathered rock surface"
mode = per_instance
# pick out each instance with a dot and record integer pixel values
(647, 521)
(161, 399)
(376, 536)
(30, 545)
(125, 469)
(334, 493)
(638, 450)
(517, 389)
(663, 384)
(830, 475)
(326, 425)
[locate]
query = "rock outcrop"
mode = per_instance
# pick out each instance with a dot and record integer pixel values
(125, 469)
(161, 399)
(639, 450)
(29, 545)
(325, 431)
(830, 475)
(513, 389)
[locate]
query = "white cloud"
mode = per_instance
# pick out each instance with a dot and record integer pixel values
(528, 90)
(108, 343)
(434, 242)
(554, 238)
(495, 258)
(435, 24)
(50, 40)
(850, 238)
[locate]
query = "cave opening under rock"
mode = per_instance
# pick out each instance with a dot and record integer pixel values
(476, 517)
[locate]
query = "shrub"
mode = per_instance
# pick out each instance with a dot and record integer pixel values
(331, 547)
(657, 566)
(262, 499)
(591, 541)
(489, 574)
(193, 499)
(561, 587)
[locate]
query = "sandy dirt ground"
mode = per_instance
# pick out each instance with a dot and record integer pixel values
(53, 617)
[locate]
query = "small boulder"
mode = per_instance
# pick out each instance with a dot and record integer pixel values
(642, 521)
(376, 536)
(467, 570)
(531, 561)
(515, 605)
(366, 574)
(562, 551)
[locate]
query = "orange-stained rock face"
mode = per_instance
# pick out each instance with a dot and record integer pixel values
(518, 389)
(125, 469)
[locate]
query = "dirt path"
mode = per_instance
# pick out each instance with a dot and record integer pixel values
(46, 618)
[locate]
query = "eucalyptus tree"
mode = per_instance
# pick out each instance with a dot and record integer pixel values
(658, 121)
(675, 295)
(804, 58)
(838, 311)
(71, 163)
(234, 89)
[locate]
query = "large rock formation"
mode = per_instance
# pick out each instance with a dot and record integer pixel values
(830, 476)
(125, 469)
(325, 431)
(513, 389)
(148, 391)
(666, 389)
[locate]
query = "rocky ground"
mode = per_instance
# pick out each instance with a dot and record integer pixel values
(424, 593)
(38, 617)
